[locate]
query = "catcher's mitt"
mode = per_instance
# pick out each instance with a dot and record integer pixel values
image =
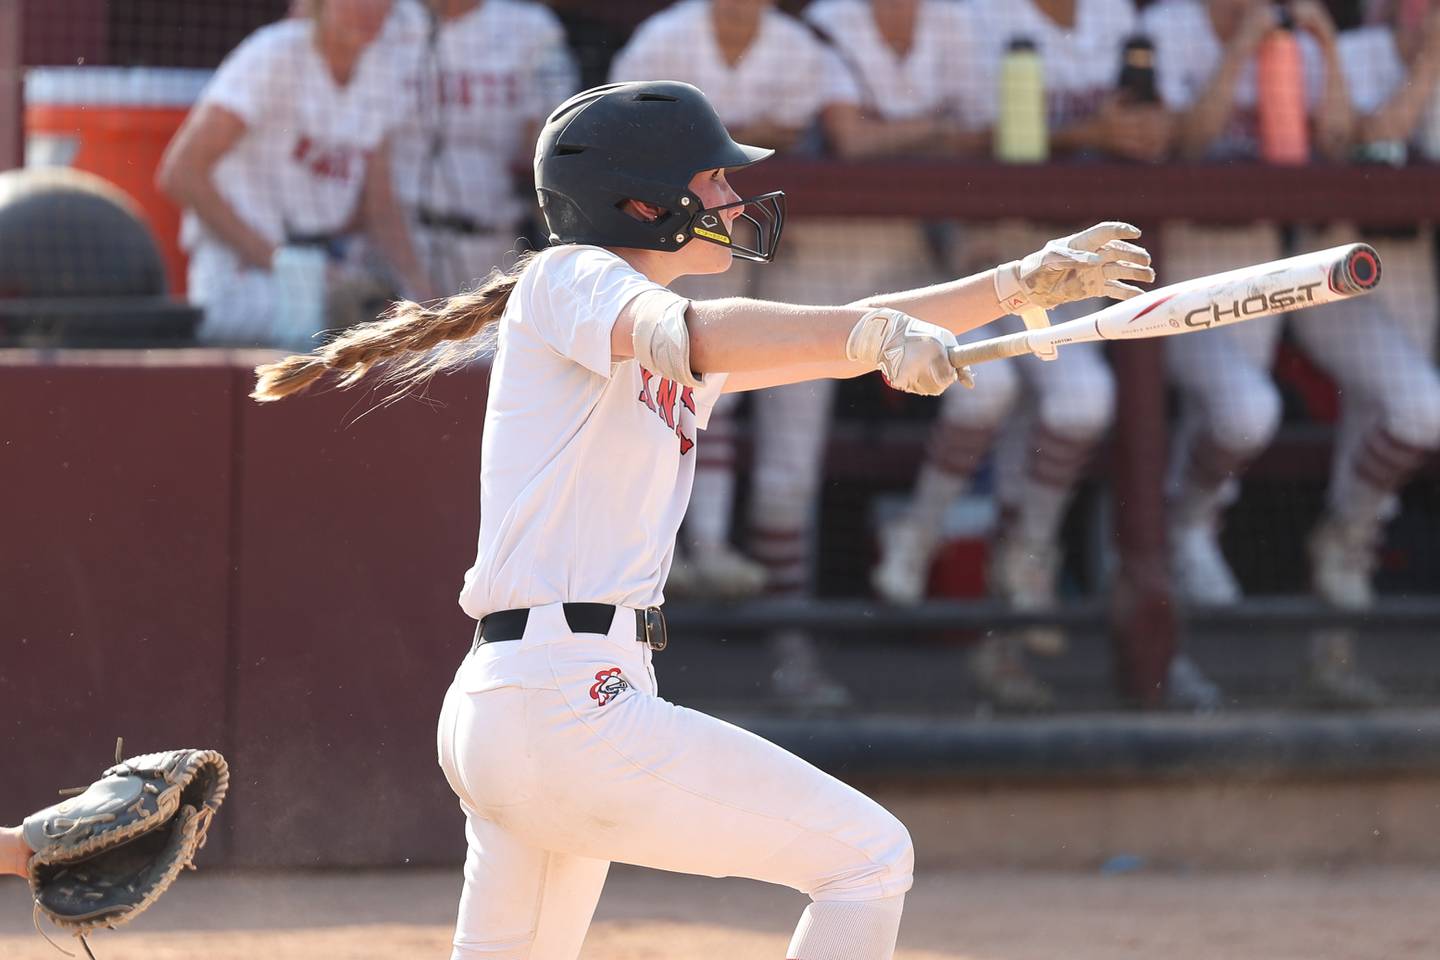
(103, 856)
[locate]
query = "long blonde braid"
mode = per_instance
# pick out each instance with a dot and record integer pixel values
(411, 342)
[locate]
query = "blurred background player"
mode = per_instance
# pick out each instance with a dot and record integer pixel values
(1206, 60)
(288, 148)
(1053, 414)
(1382, 355)
(770, 80)
(481, 76)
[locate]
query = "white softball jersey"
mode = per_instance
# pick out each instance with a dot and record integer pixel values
(927, 81)
(477, 84)
(786, 76)
(586, 464)
(301, 164)
(1081, 63)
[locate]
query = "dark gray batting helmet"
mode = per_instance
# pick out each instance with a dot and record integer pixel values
(645, 141)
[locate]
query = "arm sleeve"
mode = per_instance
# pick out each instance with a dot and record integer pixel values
(575, 297)
(247, 82)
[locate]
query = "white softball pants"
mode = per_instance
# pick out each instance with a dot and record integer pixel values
(565, 759)
(1071, 399)
(1378, 348)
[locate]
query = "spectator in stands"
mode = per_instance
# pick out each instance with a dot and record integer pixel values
(481, 76)
(1230, 405)
(1043, 418)
(289, 146)
(770, 80)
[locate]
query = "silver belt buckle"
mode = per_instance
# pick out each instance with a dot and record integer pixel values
(656, 634)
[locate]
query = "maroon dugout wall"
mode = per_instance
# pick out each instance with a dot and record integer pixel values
(318, 657)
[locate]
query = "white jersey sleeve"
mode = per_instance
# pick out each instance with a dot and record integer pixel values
(253, 81)
(573, 297)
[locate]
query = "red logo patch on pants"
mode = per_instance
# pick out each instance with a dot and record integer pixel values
(608, 685)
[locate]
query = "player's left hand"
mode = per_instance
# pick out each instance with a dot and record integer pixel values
(1097, 262)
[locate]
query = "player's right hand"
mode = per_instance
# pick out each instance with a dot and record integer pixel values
(911, 354)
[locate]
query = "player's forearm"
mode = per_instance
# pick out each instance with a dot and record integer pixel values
(739, 335)
(385, 225)
(1397, 118)
(1335, 118)
(198, 193)
(388, 231)
(14, 852)
(854, 136)
(1206, 119)
(957, 305)
(1074, 137)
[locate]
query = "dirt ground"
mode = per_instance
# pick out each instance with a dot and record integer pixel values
(1343, 915)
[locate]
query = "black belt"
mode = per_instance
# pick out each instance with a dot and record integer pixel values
(580, 617)
(454, 222)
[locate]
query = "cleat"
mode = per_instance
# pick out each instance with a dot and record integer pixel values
(1201, 574)
(1342, 563)
(903, 573)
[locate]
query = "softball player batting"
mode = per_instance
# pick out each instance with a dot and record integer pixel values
(737, 66)
(552, 735)
(480, 75)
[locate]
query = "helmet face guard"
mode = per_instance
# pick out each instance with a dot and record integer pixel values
(759, 225)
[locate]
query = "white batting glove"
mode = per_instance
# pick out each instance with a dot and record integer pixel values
(1092, 263)
(910, 354)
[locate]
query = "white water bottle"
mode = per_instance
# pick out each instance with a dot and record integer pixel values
(299, 273)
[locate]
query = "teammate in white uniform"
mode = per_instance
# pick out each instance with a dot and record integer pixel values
(481, 75)
(734, 50)
(1204, 62)
(288, 143)
(1378, 351)
(1381, 353)
(553, 737)
(1064, 407)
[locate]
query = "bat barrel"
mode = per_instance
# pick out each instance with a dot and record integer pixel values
(1357, 271)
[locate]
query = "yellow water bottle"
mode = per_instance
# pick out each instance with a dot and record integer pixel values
(1020, 129)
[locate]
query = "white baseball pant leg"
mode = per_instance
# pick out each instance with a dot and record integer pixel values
(1069, 404)
(1062, 407)
(564, 758)
(1378, 350)
(1230, 406)
(238, 301)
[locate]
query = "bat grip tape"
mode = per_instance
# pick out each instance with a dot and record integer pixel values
(997, 348)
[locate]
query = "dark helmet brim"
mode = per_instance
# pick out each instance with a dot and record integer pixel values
(746, 155)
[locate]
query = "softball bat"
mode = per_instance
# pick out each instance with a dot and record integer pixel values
(1262, 290)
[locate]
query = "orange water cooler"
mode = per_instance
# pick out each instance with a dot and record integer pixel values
(114, 122)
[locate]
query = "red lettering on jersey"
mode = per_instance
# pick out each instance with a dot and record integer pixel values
(644, 398)
(686, 444)
(687, 399)
(665, 392)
